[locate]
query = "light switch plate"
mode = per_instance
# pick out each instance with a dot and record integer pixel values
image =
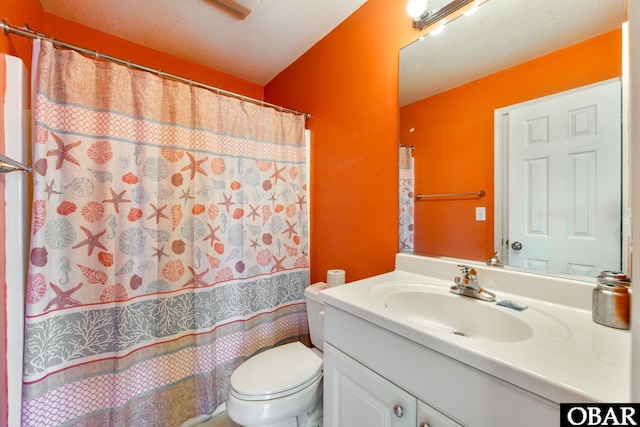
(481, 213)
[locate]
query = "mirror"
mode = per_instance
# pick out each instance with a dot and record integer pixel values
(453, 89)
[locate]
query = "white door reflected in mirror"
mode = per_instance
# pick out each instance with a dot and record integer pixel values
(564, 181)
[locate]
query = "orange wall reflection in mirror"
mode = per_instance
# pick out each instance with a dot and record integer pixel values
(454, 140)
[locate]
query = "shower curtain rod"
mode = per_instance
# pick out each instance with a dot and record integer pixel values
(9, 165)
(29, 33)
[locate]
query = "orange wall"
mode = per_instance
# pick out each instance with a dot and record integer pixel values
(461, 120)
(17, 13)
(349, 83)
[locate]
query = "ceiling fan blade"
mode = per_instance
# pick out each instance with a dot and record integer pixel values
(233, 8)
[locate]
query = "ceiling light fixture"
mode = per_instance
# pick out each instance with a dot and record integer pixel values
(423, 17)
(233, 8)
(418, 9)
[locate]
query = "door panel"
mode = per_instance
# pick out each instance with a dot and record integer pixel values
(565, 181)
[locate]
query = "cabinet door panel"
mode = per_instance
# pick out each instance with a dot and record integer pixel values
(356, 396)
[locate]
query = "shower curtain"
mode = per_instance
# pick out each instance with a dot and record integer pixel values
(406, 199)
(168, 243)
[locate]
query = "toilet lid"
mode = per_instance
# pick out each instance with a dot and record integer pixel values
(277, 372)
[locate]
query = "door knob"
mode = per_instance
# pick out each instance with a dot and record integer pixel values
(397, 409)
(516, 246)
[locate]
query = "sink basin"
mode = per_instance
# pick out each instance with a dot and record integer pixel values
(435, 307)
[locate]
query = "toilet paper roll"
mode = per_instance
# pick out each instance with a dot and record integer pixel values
(335, 278)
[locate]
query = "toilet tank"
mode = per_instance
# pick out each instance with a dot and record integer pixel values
(315, 314)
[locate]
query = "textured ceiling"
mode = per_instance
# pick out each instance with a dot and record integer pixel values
(274, 35)
(501, 34)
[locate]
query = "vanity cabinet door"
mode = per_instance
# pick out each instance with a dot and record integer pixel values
(430, 417)
(356, 396)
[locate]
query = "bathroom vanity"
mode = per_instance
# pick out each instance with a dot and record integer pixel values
(401, 350)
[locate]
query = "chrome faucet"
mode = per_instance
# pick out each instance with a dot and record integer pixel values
(494, 261)
(468, 285)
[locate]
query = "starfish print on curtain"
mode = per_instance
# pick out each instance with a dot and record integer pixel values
(167, 246)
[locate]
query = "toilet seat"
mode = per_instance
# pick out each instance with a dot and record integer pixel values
(276, 373)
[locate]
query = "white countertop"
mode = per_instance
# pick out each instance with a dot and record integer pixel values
(576, 361)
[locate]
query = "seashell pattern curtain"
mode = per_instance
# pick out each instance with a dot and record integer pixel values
(406, 199)
(168, 243)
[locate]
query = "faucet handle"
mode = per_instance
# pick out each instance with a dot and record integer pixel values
(468, 272)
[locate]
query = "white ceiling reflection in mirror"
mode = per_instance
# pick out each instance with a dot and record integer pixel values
(499, 35)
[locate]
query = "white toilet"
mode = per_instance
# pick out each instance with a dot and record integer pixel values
(282, 387)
